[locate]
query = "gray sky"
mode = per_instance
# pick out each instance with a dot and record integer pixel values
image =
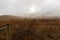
(30, 7)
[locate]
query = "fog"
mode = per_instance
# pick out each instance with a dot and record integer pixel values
(43, 8)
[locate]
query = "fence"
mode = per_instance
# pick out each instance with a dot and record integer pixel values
(7, 32)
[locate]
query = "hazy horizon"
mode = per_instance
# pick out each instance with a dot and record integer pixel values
(30, 7)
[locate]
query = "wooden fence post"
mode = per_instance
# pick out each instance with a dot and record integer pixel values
(8, 31)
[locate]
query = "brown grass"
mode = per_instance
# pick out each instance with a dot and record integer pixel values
(30, 29)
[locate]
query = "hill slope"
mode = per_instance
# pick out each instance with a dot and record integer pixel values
(20, 28)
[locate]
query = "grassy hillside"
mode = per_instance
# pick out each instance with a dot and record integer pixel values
(29, 29)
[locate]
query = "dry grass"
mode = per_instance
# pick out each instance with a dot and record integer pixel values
(30, 29)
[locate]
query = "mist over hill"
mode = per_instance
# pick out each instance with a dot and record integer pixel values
(42, 8)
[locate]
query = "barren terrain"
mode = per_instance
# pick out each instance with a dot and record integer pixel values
(29, 29)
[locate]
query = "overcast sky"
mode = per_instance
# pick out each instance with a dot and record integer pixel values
(27, 7)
